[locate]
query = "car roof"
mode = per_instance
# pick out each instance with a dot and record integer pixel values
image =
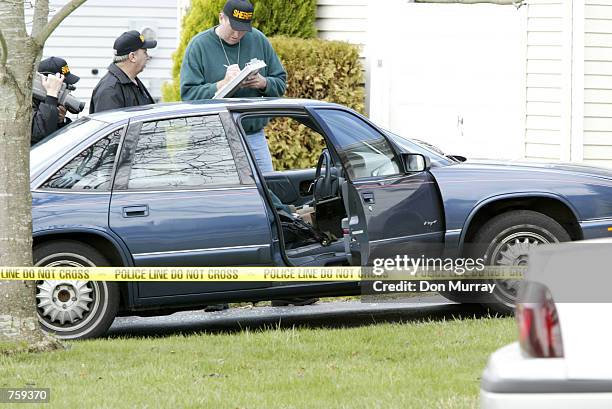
(203, 106)
(41, 155)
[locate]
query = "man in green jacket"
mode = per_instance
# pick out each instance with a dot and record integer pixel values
(215, 56)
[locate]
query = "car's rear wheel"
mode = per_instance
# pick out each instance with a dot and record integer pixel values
(506, 240)
(74, 309)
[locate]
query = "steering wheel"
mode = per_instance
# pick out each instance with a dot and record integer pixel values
(323, 182)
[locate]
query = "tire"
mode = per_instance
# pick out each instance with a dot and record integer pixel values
(74, 309)
(506, 240)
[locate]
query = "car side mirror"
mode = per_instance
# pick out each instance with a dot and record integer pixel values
(415, 162)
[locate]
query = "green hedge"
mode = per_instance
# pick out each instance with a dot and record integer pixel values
(316, 69)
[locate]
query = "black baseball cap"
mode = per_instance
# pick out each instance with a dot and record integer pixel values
(132, 41)
(56, 65)
(240, 14)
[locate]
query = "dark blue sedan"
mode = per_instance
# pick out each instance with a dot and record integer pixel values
(176, 185)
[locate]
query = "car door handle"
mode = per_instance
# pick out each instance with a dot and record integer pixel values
(136, 211)
(368, 197)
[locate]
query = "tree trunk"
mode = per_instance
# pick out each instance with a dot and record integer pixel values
(18, 322)
(19, 327)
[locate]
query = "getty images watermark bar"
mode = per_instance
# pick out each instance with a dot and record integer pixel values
(25, 395)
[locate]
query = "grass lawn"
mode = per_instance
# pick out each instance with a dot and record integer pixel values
(412, 365)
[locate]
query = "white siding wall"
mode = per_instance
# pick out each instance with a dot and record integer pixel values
(548, 116)
(345, 20)
(597, 148)
(85, 39)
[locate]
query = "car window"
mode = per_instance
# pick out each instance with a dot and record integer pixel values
(182, 153)
(363, 150)
(59, 142)
(92, 169)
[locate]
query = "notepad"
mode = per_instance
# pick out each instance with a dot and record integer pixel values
(229, 89)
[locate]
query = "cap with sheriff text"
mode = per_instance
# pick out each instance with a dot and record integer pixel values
(132, 41)
(240, 14)
(56, 65)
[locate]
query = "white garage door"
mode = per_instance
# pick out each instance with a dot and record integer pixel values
(450, 74)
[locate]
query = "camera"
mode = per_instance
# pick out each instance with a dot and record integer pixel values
(73, 105)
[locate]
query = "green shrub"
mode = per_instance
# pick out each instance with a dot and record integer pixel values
(293, 145)
(295, 18)
(320, 69)
(316, 69)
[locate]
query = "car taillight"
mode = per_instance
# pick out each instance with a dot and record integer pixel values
(538, 323)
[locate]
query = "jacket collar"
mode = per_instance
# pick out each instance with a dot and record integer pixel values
(119, 74)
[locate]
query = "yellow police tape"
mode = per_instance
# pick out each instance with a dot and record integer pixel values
(238, 274)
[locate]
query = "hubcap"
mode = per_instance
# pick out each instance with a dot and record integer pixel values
(66, 305)
(64, 301)
(513, 250)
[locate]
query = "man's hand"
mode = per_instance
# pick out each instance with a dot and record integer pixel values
(231, 72)
(52, 84)
(256, 81)
(61, 114)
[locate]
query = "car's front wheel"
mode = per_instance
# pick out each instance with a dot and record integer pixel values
(74, 309)
(506, 240)
(509, 238)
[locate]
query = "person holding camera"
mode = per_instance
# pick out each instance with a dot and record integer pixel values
(120, 87)
(48, 114)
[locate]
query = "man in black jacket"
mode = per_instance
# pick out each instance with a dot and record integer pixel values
(120, 87)
(48, 115)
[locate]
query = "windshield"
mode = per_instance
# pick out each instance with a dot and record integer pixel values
(62, 140)
(411, 146)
